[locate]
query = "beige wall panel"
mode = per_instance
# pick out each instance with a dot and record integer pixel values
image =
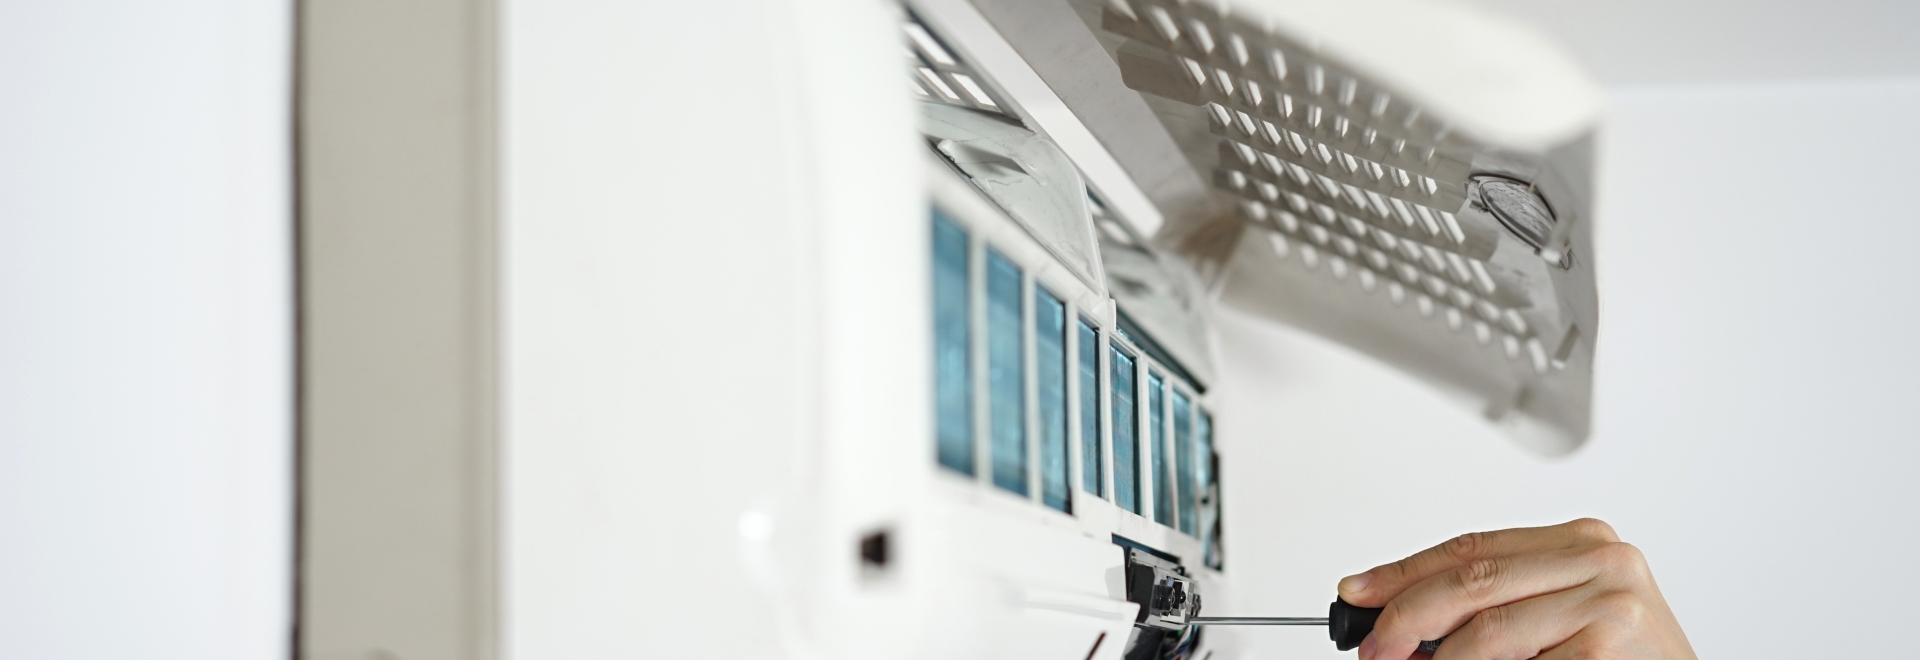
(397, 346)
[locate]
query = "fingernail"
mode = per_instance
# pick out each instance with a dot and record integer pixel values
(1354, 584)
(1366, 648)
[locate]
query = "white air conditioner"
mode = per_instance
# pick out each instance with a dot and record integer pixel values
(869, 330)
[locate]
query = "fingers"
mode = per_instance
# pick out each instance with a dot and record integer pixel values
(1622, 624)
(1440, 604)
(1585, 644)
(1381, 584)
(1613, 641)
(1556, 593)
(1521, 630)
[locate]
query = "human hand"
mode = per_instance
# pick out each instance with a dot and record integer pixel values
(1566, 592)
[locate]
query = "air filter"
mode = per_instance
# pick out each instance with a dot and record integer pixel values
(1410, 178)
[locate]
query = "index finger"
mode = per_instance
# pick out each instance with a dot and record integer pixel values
(1382, 583)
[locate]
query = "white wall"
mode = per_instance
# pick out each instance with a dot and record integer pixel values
(1756, 377)
(145, 330)
(1641, 42)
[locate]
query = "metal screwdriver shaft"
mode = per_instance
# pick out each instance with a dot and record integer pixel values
(1256, 621)
(1346, 624)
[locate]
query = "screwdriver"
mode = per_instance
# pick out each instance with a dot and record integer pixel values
(1346, 624)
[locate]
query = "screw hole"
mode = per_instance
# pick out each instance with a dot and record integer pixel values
(874, 550)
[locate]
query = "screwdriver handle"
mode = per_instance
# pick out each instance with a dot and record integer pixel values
(1350, 624)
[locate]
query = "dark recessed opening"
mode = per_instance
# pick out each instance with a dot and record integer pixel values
(873, 550)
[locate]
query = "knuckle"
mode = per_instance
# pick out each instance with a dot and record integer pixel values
(1607, 556)
(1497, 634)
(1480, 577)
(1596, 529)
(1624, 560)
(1622, 609)
(1466, 547)
(1588, 646)
(1494, 626)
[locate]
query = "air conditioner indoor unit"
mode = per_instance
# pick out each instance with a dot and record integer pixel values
(871, 330)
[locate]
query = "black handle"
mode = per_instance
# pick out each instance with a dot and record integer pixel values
(1349, 625)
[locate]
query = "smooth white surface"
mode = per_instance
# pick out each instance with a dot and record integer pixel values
(1641, 42)
(696, 319)
(145, 330)
(616, 518)
(1755, 375)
